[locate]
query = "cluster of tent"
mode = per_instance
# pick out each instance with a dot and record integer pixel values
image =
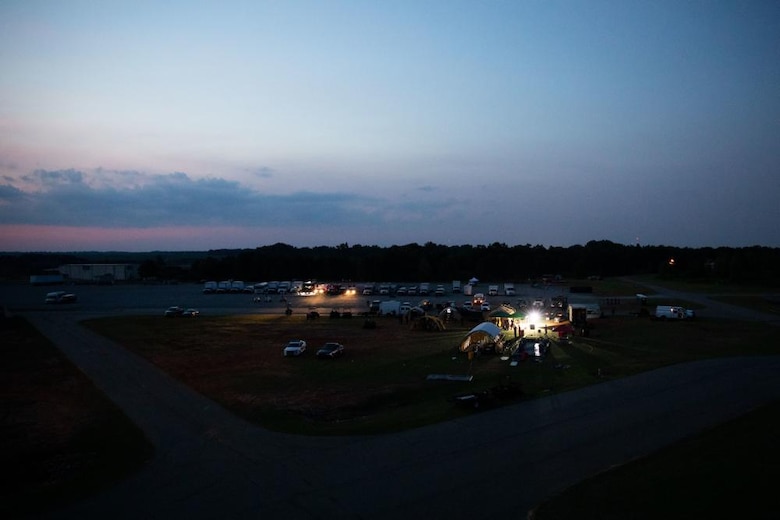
(490, 332)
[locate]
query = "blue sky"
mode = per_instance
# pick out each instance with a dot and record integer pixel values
(199, 125)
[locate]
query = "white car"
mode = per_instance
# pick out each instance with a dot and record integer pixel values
(485, 306)
(294, 348)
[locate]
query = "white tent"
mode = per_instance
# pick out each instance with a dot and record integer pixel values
(484, 332)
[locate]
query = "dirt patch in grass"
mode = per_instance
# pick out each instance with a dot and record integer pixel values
(63, 438)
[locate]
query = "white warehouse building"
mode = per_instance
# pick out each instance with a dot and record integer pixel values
(99, 273)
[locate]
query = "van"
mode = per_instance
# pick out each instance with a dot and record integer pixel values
(671, 312)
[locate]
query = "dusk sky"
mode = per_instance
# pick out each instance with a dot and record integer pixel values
(194, 125)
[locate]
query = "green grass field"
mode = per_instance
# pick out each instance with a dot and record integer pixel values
(380, 384)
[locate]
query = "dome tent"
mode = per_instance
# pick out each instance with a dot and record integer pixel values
(484, 332)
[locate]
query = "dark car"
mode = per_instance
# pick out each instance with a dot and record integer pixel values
(173, 311)
(330, 350)
(60, 297)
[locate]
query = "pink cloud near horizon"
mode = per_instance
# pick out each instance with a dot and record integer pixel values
(73, 238)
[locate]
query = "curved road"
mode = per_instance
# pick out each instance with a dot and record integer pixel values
(210, 464)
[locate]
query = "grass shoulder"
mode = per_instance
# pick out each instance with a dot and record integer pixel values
(62, 438)
(729, 471)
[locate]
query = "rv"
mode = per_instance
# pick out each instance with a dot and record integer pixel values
(467, 289)
(425, 289)
(209, 287)
(456, 286)
(509, 289)
(492, 290)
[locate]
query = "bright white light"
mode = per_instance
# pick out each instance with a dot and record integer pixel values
(534, 317)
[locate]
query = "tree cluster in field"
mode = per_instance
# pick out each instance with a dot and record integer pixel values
(430, 261)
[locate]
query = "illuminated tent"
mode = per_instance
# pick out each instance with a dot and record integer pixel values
(484, 332)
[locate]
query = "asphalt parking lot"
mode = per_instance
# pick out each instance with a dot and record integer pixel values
(151, 299)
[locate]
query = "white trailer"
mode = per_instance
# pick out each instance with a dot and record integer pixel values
(492, 290)
(390, 307)
(509, 289)
(456, 286)
(46, 279)
(467, 289)
(591, 310)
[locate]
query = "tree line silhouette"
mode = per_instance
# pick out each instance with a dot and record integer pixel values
(428, 262)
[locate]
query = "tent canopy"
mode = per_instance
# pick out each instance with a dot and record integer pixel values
(485, 331)
(503, 311)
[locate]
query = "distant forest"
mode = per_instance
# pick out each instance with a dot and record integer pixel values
(428, 262)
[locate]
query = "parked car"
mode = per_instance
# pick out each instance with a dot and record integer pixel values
(174, 311)
(467, 305)
(330, 350)
(191, 312)
(294, 348)
(485, 306)
(60, 297)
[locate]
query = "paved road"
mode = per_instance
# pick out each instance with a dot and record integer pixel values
(210, 464)
(713, 308)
